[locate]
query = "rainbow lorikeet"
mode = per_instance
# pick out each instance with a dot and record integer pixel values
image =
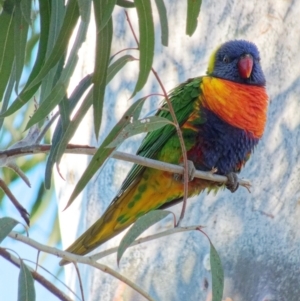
(222, 117)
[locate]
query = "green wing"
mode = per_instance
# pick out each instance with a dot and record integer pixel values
(182, 98)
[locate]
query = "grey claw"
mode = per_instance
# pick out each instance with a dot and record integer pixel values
(191, 172)
(232, 183)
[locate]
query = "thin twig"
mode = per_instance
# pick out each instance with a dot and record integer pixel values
(182, 144)
(23, 212)
(132, 30)
(47, 271)
(79, 279)
(122, 50)
(19, 172)
(38, 277)
(145, 239)
(80, 259)
(46, 128)
(90, 150)
(179, 133)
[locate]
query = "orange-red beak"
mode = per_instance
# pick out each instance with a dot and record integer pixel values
(245, 65)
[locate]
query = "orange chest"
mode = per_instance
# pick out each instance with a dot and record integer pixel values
(240, 105)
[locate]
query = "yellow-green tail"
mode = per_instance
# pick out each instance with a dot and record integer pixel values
(153, 189)
(104, 228)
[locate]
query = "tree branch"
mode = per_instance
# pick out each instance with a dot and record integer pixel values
(89, 150)
(76, 258)
(145, 239)
(38, 277)
(23, 212)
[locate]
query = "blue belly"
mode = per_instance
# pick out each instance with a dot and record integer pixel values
(220, 145)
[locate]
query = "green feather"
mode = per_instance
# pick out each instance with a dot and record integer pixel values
(182, 98)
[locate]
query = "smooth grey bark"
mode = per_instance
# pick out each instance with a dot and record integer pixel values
(256, 234)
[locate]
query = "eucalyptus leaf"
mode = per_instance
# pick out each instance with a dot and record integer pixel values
(142, 224)
(136, 127)
(103, 45)
(25, 95)
(26, 290)
(20, 40)
(125, 3)
(85, 9)
(146, 43)
(103, 152)
(48, 105)
(6, 225)
(193, 10)
(70, 20)
(217, 274)
(6, 53)
(163, 18)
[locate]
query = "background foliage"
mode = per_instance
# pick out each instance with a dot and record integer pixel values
(36, 64)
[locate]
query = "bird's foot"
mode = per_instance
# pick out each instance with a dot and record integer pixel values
(214, 170)
(232, 183)
(191, 172)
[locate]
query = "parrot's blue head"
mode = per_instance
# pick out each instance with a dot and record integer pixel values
(237, 61)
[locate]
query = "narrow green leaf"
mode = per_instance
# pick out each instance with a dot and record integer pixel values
(70, 20)
(26, 10)
(64, 112)
(116, 66)
(58, 148)
(23, 98)
(193, 10)
(73, 55)
(163, 18)
(58, 12)
(59, 70)
(6, 53)
(63, 128)
(37, 202)
(69, 132)
(84, 9)
(20, 35)
(62, 137)
(136, 127)
(63, 74)
(217, 274)
(26, 291)
(107, 12)
(8, 93)
(9, 6)
(1, 5)
(6, 225)
(64, 77)
(125, 3)
(103, 45)
(103, 153)
(142, 224)
(48, 105)
(146, 46)
(32, 42)
(59, 134)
